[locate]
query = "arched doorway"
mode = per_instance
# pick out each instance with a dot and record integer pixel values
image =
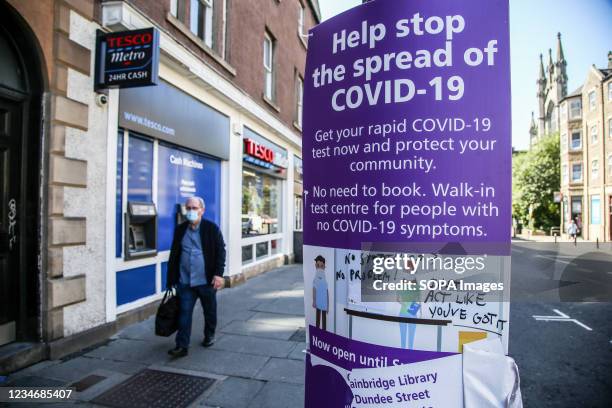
(21, 90)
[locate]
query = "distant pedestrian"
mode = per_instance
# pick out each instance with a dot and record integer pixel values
(572, 230)
(195, 267)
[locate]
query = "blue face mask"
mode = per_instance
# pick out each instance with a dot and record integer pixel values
(192, 215)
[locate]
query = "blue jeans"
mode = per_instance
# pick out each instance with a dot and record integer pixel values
(188, 296)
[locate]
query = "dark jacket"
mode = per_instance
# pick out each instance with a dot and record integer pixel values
(213, 248)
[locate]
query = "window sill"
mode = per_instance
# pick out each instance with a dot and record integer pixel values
(201, 44)
(271, 103)
(297, 126)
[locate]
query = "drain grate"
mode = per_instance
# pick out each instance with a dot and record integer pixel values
(153, 388)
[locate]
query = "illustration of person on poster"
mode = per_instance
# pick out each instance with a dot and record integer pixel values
(320, 293)
(410, 307)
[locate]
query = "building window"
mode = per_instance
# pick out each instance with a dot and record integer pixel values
(299, 100)
(594, 135)
(610, 164)
(563, 111)
(262, 249)
(174, 7)
(563, 142)
(576, 140)
(268, 62)
(564, 174)
(594, 169)
(140, 169)
(261, 203)
(576, 172)
(575, 109)
(592, 101)
(247, 254)
(299, 213)
(595, 210)
(201, 20)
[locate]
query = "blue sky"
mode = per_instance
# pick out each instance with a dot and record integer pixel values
(586, 30)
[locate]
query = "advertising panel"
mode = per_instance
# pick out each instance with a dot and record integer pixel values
(407, 199)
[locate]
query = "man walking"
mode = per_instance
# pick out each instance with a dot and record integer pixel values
(195, 267)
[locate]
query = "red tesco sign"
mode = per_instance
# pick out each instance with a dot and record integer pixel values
(258, 151)
(130, 40)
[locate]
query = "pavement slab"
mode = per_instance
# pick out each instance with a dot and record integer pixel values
(231, 393)
(254, 345)
(279, 395)
(282, 370)
(220, 362)
(251, 328)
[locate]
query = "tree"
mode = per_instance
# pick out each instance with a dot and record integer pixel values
(536, 176)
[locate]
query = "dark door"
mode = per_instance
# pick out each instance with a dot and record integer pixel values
(20, 104)
(10, 180)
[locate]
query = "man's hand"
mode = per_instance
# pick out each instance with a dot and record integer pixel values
(218, 282)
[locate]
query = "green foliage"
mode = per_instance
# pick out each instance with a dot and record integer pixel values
(536, 175)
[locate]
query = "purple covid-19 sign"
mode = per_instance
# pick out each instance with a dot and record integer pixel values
(407, 190)
(407, 125)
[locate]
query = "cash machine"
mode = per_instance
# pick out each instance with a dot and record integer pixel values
(140, 230)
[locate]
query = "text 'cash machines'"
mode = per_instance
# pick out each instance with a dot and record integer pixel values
(141, 230)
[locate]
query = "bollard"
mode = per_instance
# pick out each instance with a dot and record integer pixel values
(597, 242)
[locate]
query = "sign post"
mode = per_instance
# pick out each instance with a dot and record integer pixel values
(407, 170)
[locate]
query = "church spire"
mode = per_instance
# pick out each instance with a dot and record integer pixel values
(542, 75)
(541, 79)
(561, 70)
(560, 56)
(551, 65)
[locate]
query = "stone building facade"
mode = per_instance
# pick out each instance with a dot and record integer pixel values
(586, 155)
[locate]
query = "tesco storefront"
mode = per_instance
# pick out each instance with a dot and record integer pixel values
(170, 146)
(264, 175)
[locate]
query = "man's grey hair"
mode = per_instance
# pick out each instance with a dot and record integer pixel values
(198, 199)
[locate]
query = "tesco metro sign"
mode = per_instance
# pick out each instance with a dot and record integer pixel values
(127, 59)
